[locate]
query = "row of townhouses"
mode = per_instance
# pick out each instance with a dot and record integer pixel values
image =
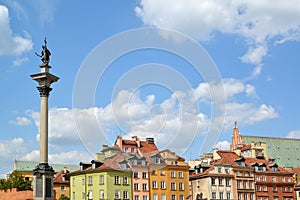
(255, 168)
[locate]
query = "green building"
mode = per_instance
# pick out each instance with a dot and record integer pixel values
(98, 180)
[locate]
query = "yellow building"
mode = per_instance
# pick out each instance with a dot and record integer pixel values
(169, 177)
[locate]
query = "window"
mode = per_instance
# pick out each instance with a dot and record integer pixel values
(145, 186)
(73, 182)
(250, 184)
(163, 197)
(227, 181)
(274, 189)
(227, 171)
(135, 174)
(162, 172)
(245, 184)
(172, 174)
(283, 189)
(289, 189)
(213, 195)
(251, 196)
(62, 187)
(117, 180)
(73, 198)
(82, 181)
(239, 196)
(126, 149)
(221, 195)
(145, 197)
(258, 188)
(219, 169)
(90, 180)
(144, 174)
(213, 181)
(180, 186)
(282, 179)
(238, 173)
(264, 188)
(173, 197)
(153, 172)
(245, 196)
(83, 195)
(263, 178)
(136, 197)
(125, 194)
(228, 195)
(101, 179)
(132, 150)
(220, 181)
(250, 174)
(117, 194)
(90, 194)
(173, 186)
(288, 179)
(162, 185)
(136, 186)
(154, 184)
(125, 180)
(238, 184)
(155, 197)
(273, 179)
(257, 178)
(101, 194)
(180, 174)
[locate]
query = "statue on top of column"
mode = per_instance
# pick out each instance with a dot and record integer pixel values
(45, 54)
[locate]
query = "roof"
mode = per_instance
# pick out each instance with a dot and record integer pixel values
(286, 151)
(30, 165)
(59, 177)
(227, 157)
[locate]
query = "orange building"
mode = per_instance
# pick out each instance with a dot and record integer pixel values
(61, 184)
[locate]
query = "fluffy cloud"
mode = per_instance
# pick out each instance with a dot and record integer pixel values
(223, 145)
(10, 43)
(20, 121)
(70, 157)
(177, 123)
(258, 22)
(294, 134)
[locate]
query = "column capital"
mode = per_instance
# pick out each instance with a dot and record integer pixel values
(44, 90)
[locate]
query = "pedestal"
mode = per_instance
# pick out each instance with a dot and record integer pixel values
(43, 182)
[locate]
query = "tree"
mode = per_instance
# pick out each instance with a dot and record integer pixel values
(63, 197)
(15, 180)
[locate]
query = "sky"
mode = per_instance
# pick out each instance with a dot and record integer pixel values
(179, 71)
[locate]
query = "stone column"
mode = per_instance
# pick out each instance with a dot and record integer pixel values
(43, 173)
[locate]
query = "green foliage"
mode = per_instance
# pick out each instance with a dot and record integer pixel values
(15, 180)
(63, 197)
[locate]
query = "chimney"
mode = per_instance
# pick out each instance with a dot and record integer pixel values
(65, 170)
(137, 140)
(150, 140)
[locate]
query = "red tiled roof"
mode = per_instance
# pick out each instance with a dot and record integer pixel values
(59, 177)
(227, 157)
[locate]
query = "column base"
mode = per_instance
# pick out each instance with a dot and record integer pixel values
(43, 182)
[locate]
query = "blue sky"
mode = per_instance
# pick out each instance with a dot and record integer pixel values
(149, 91)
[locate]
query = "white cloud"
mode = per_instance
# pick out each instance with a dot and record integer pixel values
(11, 44)
(175, 122)
(69, 157)
(223, 145)
(20, 121)
(294, 134)
(258, 22)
